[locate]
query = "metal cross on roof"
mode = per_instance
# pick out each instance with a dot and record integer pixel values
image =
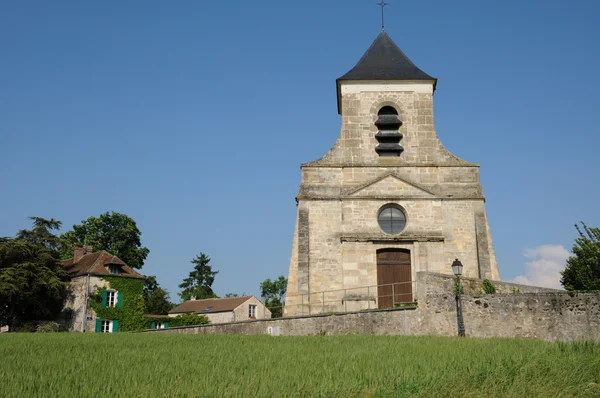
(382, 3)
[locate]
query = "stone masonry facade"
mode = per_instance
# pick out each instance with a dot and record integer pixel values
(337, 234)
(79, 291)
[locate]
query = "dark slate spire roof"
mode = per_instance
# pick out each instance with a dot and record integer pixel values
(384, 60)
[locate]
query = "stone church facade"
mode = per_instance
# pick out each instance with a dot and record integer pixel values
(388, 200)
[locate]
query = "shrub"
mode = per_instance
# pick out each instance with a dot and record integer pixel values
(47, 327)
(488, 287)
(189, 320)
(180, 320)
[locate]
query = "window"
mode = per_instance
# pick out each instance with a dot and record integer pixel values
(107, 326)
(114, 269)
(252, 311)
(111, 298)
(207, 309)
(388, 123)
(159, 325)
(391, 219)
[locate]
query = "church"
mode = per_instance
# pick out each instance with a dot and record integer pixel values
(388, 201)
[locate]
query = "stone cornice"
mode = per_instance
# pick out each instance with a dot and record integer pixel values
(388, 198)
(403, 237)
(333, 165)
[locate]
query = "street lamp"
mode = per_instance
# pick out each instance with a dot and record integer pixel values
(457, 269)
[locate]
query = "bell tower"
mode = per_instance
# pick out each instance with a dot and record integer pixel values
(388, 200)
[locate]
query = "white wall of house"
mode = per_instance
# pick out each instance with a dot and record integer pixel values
(76, 302)
(242, 312)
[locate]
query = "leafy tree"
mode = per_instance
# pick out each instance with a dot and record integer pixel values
(199, 283)
(150, 285)
(158, 302)
(583, 268)
(273, 293)
(32, 280)
(41, 234)
(156, 299)
(228, 295)
(114, 232)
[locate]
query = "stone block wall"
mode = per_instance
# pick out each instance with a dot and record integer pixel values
(547, 316)
(437, 283)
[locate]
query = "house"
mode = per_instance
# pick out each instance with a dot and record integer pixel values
(92, 272)
(224, 310)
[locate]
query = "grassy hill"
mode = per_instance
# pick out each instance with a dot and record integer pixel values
(160, 365)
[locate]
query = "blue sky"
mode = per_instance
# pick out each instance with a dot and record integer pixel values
(193, 117)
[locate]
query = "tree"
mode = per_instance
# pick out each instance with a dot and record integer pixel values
(273, 293)
(158, 302)
(114, 232)
(156, 299)
(199, 284)
(150, 285)
(32, 280)
(41, 234)
(583, 268)
(230, 295)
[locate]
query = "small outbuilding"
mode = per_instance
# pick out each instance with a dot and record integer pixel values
(230, 309)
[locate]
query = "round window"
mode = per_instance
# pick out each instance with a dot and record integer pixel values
(391, 220)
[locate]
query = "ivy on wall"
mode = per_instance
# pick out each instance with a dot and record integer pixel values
(131, 313)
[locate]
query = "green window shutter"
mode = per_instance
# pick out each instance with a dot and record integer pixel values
(120, 299)
(166, 324)
(115, 326)
(104, 298)
(152, 325)
(98, 325)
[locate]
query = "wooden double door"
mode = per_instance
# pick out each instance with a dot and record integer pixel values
(395, 274)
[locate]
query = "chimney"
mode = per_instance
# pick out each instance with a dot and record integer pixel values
(78, 254)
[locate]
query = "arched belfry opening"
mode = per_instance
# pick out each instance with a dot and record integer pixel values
(394, 277)
(388, 123)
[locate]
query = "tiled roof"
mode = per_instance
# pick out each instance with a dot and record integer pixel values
(384, 60)
(95, 264)
(209, 306)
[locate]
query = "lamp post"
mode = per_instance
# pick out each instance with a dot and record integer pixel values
(457, 269)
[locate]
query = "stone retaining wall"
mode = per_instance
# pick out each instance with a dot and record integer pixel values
(547, 316)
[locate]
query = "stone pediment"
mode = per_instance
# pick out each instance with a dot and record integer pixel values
(390, 185)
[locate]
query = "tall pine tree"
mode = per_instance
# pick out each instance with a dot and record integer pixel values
(199, 284)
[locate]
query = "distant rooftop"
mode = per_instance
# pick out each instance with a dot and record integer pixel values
(96, 264)
(210, 306)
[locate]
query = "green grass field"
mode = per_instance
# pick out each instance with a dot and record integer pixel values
(153, 365)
